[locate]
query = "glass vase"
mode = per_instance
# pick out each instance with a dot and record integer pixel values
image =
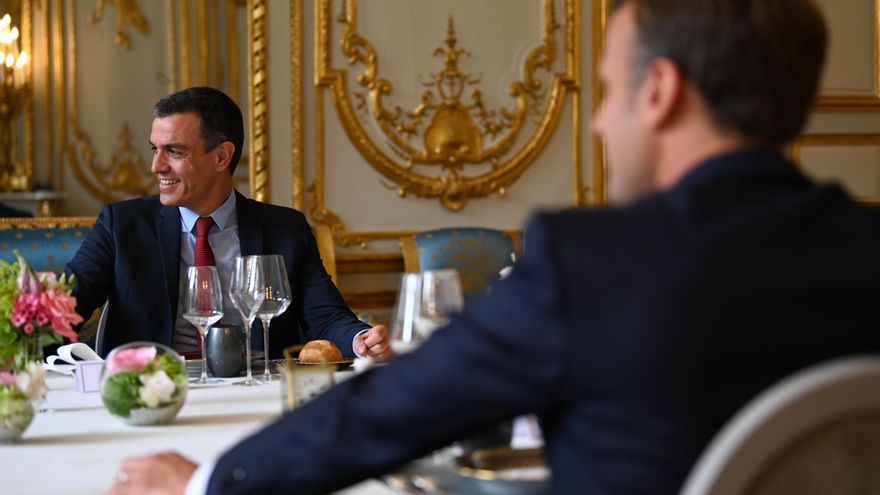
(16, 413)
(32, 352)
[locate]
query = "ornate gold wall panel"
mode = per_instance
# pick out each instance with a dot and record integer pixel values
(449, 143)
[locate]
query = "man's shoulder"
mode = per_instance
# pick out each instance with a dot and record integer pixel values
(269, 210)
(135, 205)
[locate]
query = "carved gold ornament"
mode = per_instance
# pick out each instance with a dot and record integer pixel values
(127, 175)
(450, 145)
(128, 14)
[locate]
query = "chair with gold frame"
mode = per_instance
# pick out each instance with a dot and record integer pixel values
(478, 254)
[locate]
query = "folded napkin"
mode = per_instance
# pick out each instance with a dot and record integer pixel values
(70, 354)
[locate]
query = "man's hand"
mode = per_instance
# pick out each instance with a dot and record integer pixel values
(374, 343)
(159, 474)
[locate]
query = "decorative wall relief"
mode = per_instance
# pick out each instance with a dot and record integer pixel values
(434, 147)
(443, 110)
(128, 14)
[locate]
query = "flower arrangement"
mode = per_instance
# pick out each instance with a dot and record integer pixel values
(144, 383)
(16, 393)
(36, 310)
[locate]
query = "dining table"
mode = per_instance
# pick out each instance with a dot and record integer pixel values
(76, 446)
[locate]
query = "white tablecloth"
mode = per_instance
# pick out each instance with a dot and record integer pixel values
(77, 447)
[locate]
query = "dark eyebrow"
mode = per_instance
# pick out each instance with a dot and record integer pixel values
(169, 146)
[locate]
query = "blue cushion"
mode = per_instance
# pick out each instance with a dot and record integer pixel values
(45, 245)
(477, 253)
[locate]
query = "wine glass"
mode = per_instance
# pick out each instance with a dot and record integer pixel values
(203, 306)
(276, 299)
(246, 292)
(425, 302)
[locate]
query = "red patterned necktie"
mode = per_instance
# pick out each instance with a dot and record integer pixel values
(203, 256)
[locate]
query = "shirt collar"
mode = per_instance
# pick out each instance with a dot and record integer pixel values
(221, 215)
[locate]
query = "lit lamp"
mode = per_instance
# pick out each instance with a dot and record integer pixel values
(12, 93)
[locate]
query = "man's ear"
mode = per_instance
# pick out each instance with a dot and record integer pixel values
(224, 154)
(661, 92)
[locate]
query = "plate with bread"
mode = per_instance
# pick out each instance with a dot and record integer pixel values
(322, 352)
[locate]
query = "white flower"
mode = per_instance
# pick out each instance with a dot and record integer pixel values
(158, 388)
(32, 380)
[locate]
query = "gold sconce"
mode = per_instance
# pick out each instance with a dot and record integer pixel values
(12, 92)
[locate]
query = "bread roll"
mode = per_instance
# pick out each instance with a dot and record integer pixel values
(320, 351)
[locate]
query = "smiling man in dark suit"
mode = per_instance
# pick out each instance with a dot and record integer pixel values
(137, 253)
(636, 331)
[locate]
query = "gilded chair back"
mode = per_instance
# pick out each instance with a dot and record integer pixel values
(326, 249)
(47, 243)
(477, 253)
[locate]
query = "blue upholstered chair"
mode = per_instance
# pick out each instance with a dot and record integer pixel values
(47, 243)
(477, 253)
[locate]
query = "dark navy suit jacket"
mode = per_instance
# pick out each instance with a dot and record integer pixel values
(634, 333)
(132, 256)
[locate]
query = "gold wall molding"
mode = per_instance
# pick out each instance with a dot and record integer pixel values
(46, 223)
(297, 89)
(128, 14)
(869, 102)
(795, 151)
(489, 137)
(258, 96)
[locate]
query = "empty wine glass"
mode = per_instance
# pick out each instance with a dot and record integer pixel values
(246, 292)
(276, 299)
(203, 306)
(425, 302)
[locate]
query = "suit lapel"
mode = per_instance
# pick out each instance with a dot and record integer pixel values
(250, 226)
(168, 229)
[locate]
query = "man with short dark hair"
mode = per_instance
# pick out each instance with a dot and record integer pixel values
(633, 332)
(137, 254)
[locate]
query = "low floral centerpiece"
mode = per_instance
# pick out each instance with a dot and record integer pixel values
(36, 310)
(144, 383)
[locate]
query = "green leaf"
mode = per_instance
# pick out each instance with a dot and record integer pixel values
(120, 393)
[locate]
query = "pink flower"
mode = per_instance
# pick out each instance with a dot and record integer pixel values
(28, 283)
(7, 378)
(131, 359)
(60, 309)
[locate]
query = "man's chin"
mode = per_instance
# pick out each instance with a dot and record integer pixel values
(169, 200)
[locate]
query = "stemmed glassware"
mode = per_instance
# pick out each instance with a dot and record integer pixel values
(276, 299)
(425, 302)
(246, 289)
(203, 306)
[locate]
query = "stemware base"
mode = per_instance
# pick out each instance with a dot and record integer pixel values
(251, 383)
(206, 381)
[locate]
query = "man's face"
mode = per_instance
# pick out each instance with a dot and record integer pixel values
(617, 120)
(188, 175)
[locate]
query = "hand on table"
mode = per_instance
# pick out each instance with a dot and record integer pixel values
(160, 474)
(374, 343)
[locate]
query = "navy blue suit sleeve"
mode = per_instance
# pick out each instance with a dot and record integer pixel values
(92, 266)
(324, 313)
(502, 357)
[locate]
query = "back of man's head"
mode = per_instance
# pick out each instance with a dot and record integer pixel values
(219, 117)
(756, 63)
